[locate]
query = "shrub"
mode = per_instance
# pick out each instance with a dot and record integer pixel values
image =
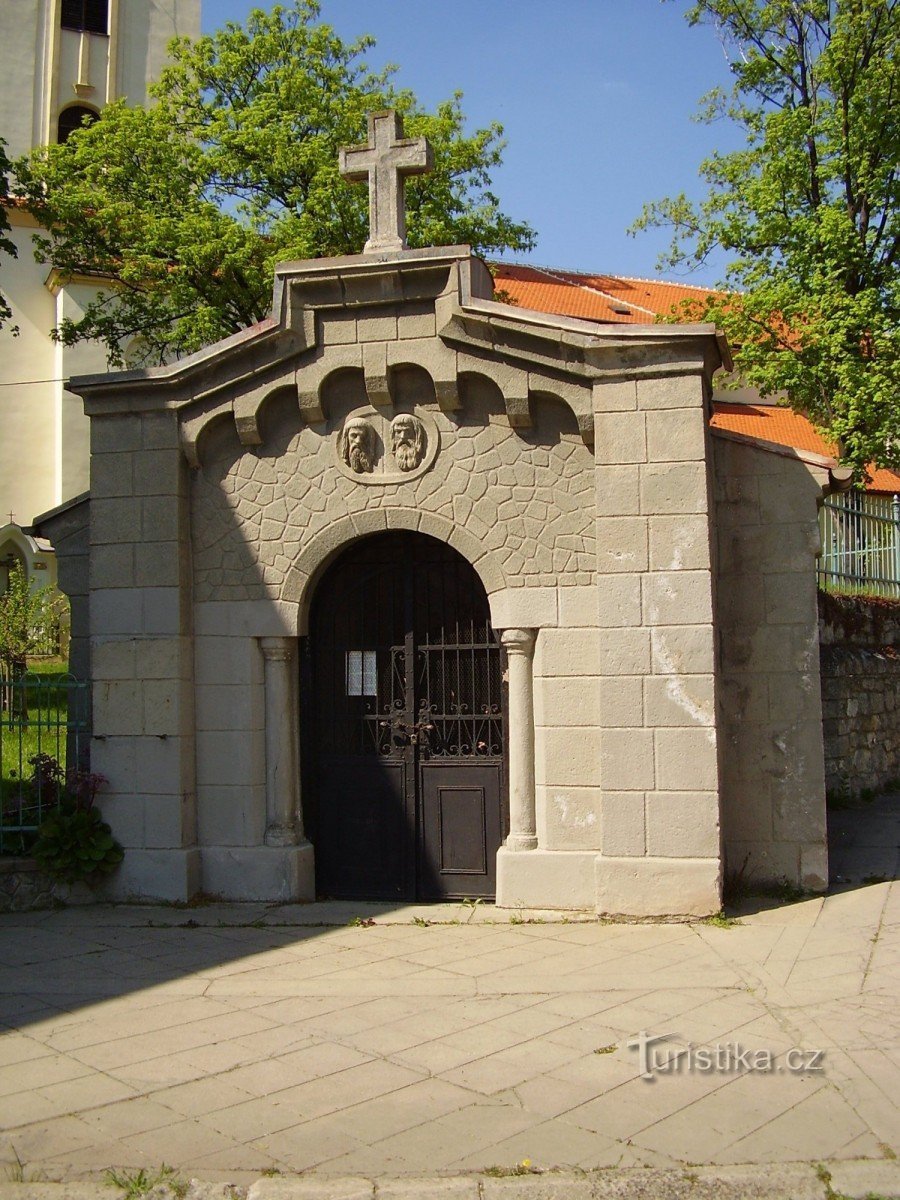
(74, 844)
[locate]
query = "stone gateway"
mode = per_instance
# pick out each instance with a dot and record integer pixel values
(406, 593)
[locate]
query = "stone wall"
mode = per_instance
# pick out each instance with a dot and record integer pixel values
(860, 665)
(773, 787)
(527, 495)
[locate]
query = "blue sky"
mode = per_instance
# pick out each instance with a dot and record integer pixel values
(596, 98)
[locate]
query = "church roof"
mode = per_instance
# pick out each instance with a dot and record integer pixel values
(592, 297)
(623, 300)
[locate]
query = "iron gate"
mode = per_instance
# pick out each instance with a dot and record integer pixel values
(403, 704)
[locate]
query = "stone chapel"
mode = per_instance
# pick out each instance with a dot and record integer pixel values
(407, 594)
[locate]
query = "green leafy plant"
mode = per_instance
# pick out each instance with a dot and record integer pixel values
(74, 844)
(806, 211)
(720, 920)
(25, 615)
(186, 205)
(136, 1184)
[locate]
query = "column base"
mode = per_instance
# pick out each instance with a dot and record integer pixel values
(642, 888)
(278, 873)
(281, 835)
(520, 841)
(154, 875)
(545, 879)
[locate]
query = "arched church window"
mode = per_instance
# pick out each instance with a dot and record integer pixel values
(90, 15)
(73, 118)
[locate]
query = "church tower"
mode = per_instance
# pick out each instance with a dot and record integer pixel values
(61, 61)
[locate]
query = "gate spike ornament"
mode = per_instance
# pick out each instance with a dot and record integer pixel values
(385, 161)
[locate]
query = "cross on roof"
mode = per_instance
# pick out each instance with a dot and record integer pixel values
(385, 161)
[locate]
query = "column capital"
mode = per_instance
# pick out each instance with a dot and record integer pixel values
(518, 641)
(277, 649)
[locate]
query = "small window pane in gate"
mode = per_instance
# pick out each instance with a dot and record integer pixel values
(362, 673)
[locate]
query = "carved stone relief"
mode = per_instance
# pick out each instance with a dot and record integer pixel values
(408, 441)
(356, 445)
(372, 449)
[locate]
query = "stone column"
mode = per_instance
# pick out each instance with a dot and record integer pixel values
(519, 644)
(284, 823)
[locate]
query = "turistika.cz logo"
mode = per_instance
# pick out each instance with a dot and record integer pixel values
(724, 1058)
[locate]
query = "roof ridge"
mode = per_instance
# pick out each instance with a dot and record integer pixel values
(698, 287)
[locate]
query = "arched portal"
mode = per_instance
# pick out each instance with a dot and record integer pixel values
(404, 721)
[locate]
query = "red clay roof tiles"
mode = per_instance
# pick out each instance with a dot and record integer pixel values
(617, 300)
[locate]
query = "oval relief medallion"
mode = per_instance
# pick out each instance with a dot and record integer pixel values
(371, 447)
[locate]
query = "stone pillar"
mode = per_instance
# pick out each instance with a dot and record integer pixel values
(519, 644)
(142, 649)
(284, 823)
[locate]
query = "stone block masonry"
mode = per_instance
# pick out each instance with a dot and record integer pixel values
(656, 632)
(773, 786)
(860, 666)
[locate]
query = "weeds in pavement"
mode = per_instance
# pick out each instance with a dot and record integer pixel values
(136, 1184)
(824, 1176)
(17, 1172)
(720, 921)
(521, 1168)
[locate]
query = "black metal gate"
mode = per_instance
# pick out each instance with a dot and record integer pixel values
(403, 708)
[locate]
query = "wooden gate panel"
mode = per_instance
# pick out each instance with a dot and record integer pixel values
(460, 808)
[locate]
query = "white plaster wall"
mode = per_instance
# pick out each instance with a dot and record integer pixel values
(44, 434)
(22, 34)
(27, 394)
(40, 62)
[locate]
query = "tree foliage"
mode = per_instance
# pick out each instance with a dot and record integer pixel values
(188, 204)
(807, 209)
(6, 245)
(26, 614)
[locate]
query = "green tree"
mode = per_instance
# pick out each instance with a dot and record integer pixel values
(808, 211)
(26, 616)
(187, 205)
(6, 245)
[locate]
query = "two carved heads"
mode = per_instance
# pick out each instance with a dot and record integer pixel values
(357, 443)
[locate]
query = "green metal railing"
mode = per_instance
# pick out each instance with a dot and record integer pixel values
(41, 717)
(860, 544)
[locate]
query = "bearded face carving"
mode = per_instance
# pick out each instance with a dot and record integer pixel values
(357, 446)
(407, 441)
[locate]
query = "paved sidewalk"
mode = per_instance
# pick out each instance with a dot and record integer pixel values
(370, 1041)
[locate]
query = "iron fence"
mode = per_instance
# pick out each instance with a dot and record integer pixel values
(43, 725)
(860, 544)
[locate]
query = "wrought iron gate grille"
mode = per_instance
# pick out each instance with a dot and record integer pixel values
(416, 661)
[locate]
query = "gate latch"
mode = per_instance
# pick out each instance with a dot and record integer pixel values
(408, 731)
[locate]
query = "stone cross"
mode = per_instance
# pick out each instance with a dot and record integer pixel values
(385, 161)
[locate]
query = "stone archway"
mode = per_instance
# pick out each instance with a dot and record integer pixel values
(403, 703)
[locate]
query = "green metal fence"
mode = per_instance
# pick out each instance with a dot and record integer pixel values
(40, 715)
(860, 544)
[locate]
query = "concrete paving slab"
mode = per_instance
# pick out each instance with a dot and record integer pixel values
(232, 1039)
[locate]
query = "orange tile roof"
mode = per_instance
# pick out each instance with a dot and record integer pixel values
(609, 298)
(772, 424)
(787, 428)
(618, 300)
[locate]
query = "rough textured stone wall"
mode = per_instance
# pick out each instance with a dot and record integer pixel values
(773, 787)
(860, 665)
(528, 495)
